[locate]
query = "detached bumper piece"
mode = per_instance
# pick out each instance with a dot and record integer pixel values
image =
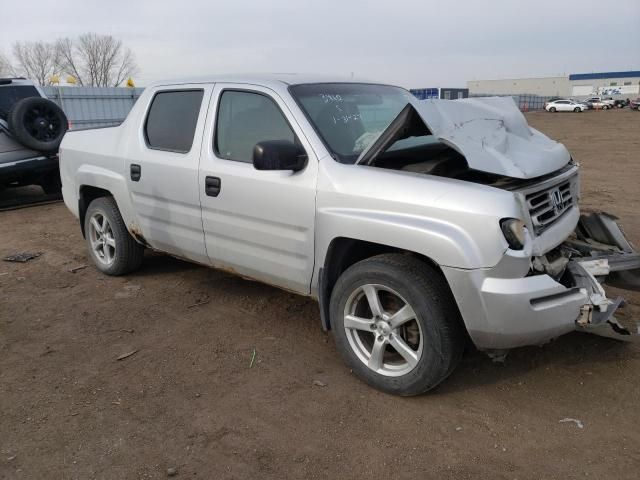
(602, 254)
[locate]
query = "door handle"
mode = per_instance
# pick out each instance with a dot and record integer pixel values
(212, 186)
(136, 172)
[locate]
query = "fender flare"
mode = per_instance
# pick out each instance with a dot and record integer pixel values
(114, 183)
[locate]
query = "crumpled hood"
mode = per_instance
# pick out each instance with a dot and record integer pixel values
(493, 136)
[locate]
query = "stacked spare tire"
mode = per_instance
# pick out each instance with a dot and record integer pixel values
(38, 124)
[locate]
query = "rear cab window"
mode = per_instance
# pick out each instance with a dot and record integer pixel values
(172, 119)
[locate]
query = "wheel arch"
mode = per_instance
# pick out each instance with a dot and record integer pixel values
(87, 194)
(344, 252)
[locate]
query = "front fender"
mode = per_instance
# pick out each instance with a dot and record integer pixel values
(444, 242)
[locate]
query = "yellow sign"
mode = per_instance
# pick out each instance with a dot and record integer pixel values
(54, 79)
(71, 80)
(130, 83)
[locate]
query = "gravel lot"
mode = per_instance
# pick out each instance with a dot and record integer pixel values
(187, 399)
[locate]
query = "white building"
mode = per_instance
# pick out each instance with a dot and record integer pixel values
(621, 84)
(543, 86)
(616, 84)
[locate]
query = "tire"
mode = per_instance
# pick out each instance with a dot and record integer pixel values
(552, 109)
(38, 123)
(605, 107)
(577, 109)
(433, 330)
(112, 249)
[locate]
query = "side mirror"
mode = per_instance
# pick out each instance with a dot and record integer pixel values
(279, 155)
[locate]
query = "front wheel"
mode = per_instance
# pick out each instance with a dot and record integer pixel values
(396, 324)
(111, 247)
(552, 109)
(577, 109)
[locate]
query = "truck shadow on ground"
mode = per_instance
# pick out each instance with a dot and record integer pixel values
(576, 352)
(156, 263)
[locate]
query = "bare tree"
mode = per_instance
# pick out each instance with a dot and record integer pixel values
(96, 60)
(6, 69)
(36, 60)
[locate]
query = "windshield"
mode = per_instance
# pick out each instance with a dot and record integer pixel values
(349, 116)
(9, 95)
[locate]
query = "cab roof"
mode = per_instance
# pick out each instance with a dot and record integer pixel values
(273, 80)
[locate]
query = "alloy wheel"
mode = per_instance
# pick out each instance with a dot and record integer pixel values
(101, 238)
(383, 330)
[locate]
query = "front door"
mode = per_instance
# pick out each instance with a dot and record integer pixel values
(256, 223)
(162, 170)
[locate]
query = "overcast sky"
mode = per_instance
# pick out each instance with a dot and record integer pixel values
(413, 43)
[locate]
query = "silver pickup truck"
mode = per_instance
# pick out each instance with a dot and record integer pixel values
(417, 225)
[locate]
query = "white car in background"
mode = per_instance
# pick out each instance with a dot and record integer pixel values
(563, 105)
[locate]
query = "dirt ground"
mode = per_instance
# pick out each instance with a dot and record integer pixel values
(188, 399)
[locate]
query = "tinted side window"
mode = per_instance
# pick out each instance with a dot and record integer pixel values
(244, 119)
(172, 118)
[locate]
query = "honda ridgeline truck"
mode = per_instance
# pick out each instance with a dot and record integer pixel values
(417, 225)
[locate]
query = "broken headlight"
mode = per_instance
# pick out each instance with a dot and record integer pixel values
(514, 232)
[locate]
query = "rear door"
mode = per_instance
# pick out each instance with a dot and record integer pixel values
(257, 223)
(162, 170)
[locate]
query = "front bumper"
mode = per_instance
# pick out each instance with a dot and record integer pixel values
(503, 309)
(502, 313)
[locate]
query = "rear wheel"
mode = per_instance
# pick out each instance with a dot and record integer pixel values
(396, 324)
(605, 107)
(111, 247)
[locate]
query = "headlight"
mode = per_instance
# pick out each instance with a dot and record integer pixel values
(514, 232)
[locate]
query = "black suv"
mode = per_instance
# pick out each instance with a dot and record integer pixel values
(31, 129)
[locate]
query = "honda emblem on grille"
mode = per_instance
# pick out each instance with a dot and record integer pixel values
(555, 196)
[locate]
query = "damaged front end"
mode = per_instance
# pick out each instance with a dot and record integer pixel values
(549, 285)
(597, 253)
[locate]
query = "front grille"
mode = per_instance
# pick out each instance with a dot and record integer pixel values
(547, 206)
